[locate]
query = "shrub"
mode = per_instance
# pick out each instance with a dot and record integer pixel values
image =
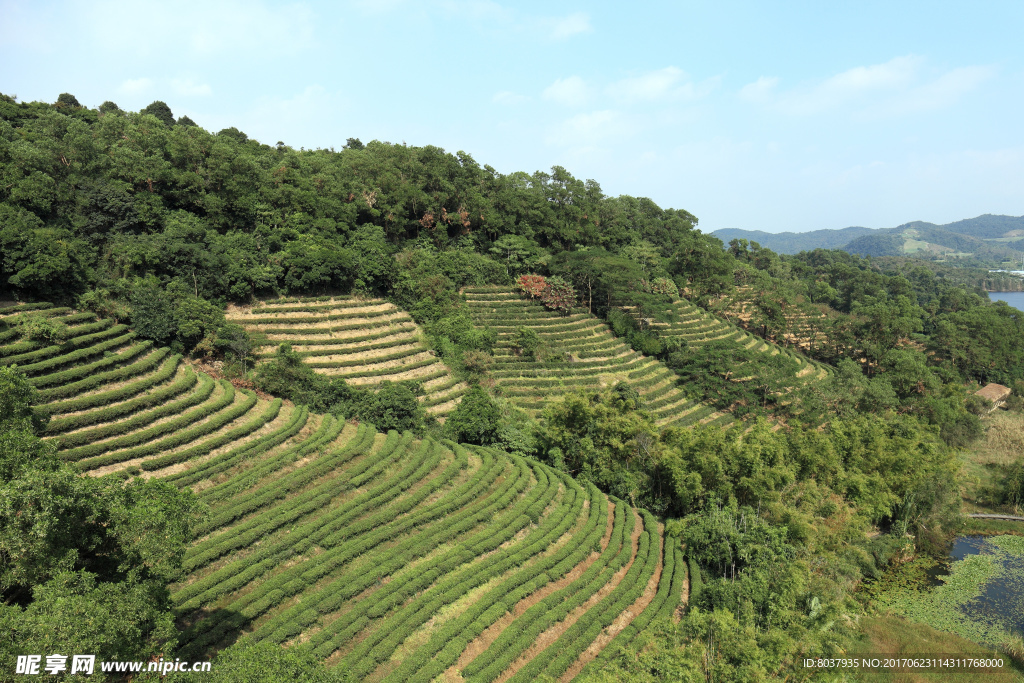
(554, 292)
(16, 399)
(104, 304)
(526, 341)
(263, 663)
(287, 376)
(977, 405)
(477, 362)
(392, 406)
(456, 332)
(559, 295)
(475, 420)
(152, 313)
(622, 323)
(661, 285)
(39, 328)
(1014, 486)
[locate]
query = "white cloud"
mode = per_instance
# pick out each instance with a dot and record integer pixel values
(509, 99)
(852, 85)
(896, 72)
(654, 85)
(670, 83)
(188, 87)
(376, 6)
(135, 86)
(941, 92)
(485, 15)
(315, 112)
(571, 91)
(480, 10)
(589, 129)
(561, 28)
(760, 90)
(240, 29)
(899, 86)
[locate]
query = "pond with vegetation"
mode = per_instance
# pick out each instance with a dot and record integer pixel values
(978, 595)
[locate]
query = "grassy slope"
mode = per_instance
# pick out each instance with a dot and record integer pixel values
(1002, 444)
(895, 636)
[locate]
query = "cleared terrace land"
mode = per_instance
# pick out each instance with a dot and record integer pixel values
(396, 558)
(579, 352)
(363, 341)
(801, 330)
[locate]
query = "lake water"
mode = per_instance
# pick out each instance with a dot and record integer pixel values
(1002, 597)
(1015, 299)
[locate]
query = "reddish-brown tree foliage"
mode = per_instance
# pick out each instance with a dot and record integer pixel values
(532, 286)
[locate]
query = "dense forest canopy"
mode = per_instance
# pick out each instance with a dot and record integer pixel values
(145, 213)
(90, 197)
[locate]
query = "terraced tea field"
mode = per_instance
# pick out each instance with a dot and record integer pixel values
(581, 353)
(364, 341)
(396, 558)
(698, 327)
(117, 402)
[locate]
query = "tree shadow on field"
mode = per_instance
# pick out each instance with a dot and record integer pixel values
(204, 632)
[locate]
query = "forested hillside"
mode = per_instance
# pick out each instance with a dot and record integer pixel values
(795, 242)
(987, 238)
(411, 417)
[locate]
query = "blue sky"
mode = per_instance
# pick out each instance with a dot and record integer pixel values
(754, 115)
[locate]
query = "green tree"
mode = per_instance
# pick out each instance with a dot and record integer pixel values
(476, 420)
(67, 101)
(701, 267)
(153, 313)
(519, 254)
(237, 341)
(392, 406)
(82, 550)
(526, 342)
(646, 256)
(607, 438)
(584, 270)
(160, 110)
(196, 319)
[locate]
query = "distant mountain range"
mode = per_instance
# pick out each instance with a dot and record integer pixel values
(997, 238)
